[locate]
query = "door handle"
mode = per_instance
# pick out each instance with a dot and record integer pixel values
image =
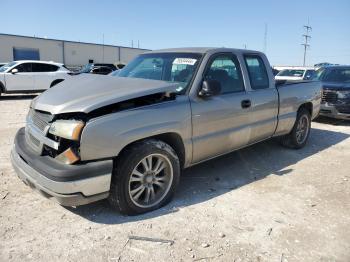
(246, 103)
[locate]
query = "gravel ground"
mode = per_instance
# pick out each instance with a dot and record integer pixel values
(262, 203)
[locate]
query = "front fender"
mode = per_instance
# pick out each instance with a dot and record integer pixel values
(106, 136)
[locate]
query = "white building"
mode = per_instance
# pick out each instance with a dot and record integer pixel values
(70, 53)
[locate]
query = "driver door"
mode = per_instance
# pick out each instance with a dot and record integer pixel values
(221, 123)
(23, 80)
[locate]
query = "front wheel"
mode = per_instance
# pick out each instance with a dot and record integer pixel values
(145, 177)
(297, 138)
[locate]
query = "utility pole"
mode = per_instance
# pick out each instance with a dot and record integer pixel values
(265, 39)
(138, 43)
(306, 36)
(132, 43)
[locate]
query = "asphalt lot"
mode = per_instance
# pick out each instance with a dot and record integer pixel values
(262, 203)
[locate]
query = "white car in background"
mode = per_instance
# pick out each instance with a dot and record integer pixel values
(296, 73)
(27, 76)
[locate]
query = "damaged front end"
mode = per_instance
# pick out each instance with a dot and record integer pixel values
(58, 136)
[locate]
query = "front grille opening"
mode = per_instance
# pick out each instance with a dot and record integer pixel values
(329, 96)
(40, 119)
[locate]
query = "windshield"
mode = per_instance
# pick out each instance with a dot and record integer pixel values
(292, 72)
(7, 66)
(339, 75)
(171, 67)
(318, 73)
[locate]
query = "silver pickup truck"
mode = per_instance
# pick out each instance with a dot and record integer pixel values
(127, 138)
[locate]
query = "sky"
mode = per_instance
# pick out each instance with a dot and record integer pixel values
(182, 23)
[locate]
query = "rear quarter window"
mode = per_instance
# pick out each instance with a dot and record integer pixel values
(40, 67)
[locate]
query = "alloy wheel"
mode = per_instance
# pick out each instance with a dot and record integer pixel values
(150, 180)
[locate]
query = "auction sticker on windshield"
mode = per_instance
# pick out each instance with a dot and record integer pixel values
(184, 61)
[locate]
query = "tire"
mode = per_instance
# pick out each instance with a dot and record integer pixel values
(129, 175)
(2, 88)
(293, 140)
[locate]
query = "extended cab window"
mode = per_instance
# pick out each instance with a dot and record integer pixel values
(257, 72)
(226, 70)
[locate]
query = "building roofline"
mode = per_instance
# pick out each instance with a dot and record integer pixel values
(69, 41)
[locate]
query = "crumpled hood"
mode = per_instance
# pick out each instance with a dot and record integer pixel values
(87, 92)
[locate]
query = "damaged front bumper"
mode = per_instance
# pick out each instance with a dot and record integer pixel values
(70, 185)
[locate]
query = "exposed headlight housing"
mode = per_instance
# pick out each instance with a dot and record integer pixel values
(69, 129)
(68, 157)
(343, 94)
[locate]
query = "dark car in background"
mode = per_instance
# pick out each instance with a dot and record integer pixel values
(336, 91)
(98, 68)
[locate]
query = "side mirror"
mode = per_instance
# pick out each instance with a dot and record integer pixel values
(210, 88)
(14, 71)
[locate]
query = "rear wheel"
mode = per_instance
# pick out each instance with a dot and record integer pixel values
(297, 138)
(145, 177)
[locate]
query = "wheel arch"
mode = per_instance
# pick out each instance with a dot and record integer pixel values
(56, 81)
(173, 139)
(308, 106)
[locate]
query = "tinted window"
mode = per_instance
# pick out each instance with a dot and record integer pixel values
(225, 69)
(257, 72)
(291, 72)
(38, 67)
(106, 70)
(310, 74)
(101, 70)
(336, 75)
(24, 68)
